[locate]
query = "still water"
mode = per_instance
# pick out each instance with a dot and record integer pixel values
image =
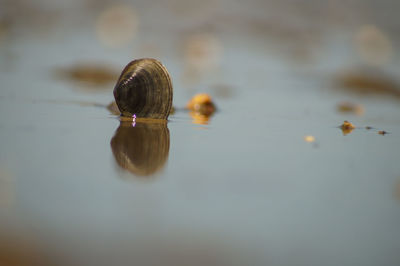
(79, 187)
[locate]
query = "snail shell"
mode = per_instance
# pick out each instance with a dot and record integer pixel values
(144, 89)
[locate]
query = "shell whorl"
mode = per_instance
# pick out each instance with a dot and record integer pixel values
(144, 89)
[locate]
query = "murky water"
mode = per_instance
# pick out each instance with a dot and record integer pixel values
(78, 187)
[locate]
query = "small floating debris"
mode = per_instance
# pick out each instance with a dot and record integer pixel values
(309, 138)
(201, 108)
(201, 103)
(347, 127)
(348, 107)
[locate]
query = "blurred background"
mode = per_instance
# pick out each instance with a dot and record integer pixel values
(271, 178)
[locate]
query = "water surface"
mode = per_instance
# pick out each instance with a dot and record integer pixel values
(80, 188)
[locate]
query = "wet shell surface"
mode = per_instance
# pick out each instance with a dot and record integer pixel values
(144, 89)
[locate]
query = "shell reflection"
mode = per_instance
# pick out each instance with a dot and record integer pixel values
(142, 148)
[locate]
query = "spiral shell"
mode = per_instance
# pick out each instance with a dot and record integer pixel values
(144, 89)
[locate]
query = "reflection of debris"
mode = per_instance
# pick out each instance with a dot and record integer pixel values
(348, 107)
(347, 131)
(373, 46)
(368, 82)
(89, 74)
(347, 127)
(309, 138)
(199, 118)
(116, 26)
(201, 103)
(382, 132)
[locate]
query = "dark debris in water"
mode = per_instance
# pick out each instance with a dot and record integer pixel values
(349, 107)
(347, 127)
(368, 82)
(94, 76)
